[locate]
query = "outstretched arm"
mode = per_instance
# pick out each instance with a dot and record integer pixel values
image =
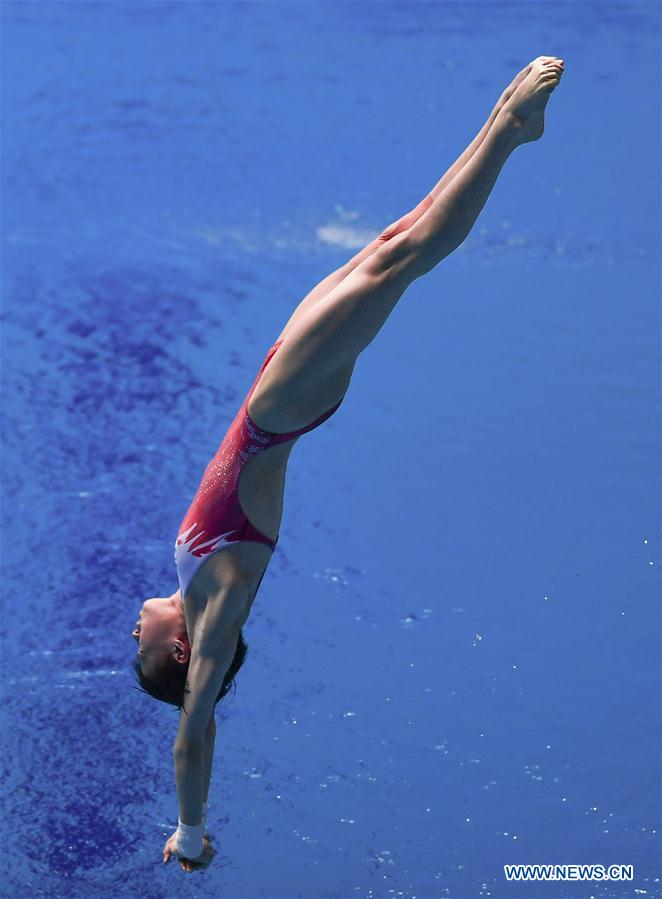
(211, 657)
(194, 744)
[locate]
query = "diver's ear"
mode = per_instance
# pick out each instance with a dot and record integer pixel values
(181, 651)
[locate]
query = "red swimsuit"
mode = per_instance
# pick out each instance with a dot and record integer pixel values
(215, 518)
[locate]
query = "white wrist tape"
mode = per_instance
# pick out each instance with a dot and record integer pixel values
(189, 839)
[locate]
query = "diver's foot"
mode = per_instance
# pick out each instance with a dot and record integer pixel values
(510, 90)
(524, 108)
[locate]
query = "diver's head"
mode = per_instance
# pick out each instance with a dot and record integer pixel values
(163, 648)
(164, 651)
(161, 634)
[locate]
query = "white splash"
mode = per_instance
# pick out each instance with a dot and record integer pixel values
(345, 236)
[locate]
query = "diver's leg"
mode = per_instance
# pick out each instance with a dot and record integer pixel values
(448, 221)
(410, 218)
(326, 342)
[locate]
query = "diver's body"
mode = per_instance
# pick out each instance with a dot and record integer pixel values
(307, 376)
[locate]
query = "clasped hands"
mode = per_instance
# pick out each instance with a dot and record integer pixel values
(189, 864)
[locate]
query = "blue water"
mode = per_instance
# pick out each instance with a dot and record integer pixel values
(454, 657)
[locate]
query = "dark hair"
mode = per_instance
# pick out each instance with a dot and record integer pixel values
(169, 684)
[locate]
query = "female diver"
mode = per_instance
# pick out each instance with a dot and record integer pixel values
(190, 643)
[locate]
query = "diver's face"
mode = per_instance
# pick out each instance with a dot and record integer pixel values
(161, 631)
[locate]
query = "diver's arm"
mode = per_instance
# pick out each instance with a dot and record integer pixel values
(193, 747)
(211, 656)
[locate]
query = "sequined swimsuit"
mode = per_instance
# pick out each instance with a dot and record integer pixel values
(215, 518)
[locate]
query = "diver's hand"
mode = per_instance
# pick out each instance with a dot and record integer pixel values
(202, 861)
(190, 864)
